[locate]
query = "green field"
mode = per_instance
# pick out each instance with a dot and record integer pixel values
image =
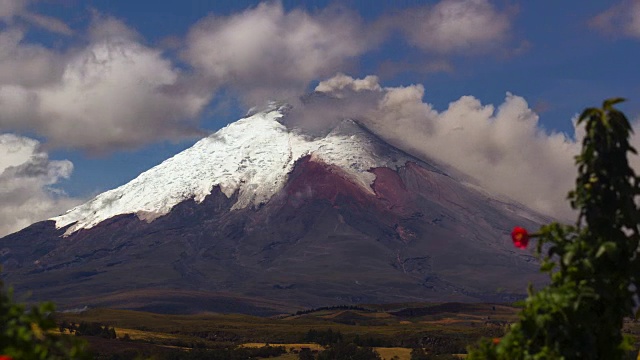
(392, 329)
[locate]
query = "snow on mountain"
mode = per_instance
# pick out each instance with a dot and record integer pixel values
(252, 156)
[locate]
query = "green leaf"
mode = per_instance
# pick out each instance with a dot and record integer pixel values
(607, 104)
(608, 247)
(586, 114)
(568, 257)
(547, 266)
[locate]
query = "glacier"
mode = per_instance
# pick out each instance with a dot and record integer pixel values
(252, 156)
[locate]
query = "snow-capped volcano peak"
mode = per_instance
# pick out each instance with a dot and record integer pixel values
(252, 156)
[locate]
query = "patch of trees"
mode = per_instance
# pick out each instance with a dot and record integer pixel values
(89, 329)
(441, 345)
(372, 342)
(323, 337)
(431, 310)
(221, 353)
(341, 350)
(223, 336)
(348, 351)
(338, 348)
(229, 353)
(330, 337)
(421, 354)
(337, 307)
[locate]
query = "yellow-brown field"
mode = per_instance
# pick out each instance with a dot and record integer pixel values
(447, 328)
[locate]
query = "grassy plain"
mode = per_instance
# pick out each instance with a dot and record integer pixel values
(392, 329)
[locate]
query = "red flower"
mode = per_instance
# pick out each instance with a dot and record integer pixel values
(520, 237)
(5, 357)
(495, 341)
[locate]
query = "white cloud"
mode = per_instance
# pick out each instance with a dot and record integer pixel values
(48, 23)
(104, 27)
(340, 82)
(265, 51)
(26, 65)
(27, 180)
(620, 19)
(114, 93)
(502, 149)
(455, 26)
(11, 8)
(117, 94)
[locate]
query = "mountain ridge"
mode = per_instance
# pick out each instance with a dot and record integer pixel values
(352, 220)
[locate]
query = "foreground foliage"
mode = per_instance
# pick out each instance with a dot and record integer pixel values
(594, 265)
(27, 335)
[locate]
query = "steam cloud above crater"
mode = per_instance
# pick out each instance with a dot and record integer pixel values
(500, 148)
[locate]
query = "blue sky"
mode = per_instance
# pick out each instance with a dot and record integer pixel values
(95, 92)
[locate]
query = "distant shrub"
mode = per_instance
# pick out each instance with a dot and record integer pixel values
(421, 354)
(350, 351)
(336, 307)
(323, 337)
(95, 329)
(306, 354)
(228, 353)
(371, 341)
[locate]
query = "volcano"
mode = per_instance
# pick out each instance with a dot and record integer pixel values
(258, 218)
